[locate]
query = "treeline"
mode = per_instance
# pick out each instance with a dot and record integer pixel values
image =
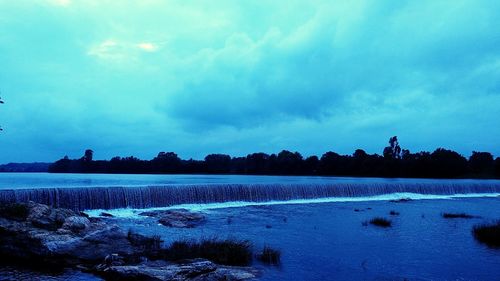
(394, 162)
(36, 167)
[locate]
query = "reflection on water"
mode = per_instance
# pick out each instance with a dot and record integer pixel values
(35, 180)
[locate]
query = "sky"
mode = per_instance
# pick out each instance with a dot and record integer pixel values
(198, 77)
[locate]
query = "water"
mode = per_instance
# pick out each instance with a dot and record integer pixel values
(48, 180)
(83, 192)
(310, 219)
(327, 241)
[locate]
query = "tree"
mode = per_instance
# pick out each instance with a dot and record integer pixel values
(447, 164)
(166, 162)
(393, 150)
(218, 163)
(481, 162)
(88, 156)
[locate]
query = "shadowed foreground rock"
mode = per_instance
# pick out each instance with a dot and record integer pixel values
(198, 270)
(61, 236)
(38, 234)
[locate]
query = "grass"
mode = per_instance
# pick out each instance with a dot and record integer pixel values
(269, 256)
(150, 245)
(394, 213)
(381, 222)
(14, 211)
(225, 252)
(488, 234)
(456, 216)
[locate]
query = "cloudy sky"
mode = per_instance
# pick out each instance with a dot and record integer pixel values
(198, 77)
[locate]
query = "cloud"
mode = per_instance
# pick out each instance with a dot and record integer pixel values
(148, 47)
(107, 49)
(318, 66)
(239, 77)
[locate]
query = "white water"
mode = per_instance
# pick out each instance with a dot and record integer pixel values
(134, 213)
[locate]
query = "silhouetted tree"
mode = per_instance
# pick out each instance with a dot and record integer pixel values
(447, 163)
(257, 163)
(218, 163)
(88, 156)
(497, 167)
(442, 163)
(311, 165)
(166, 162)
(332, 163)
(288, 162)
(481, 162)
(393, 150)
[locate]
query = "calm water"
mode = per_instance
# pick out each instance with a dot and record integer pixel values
(328, 241)
(38, 180)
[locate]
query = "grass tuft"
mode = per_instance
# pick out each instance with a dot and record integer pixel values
(269, 256)
(150, 245)
(394, 213)
(225, 252)
(381, 222)
(456, 216)
(488, 234)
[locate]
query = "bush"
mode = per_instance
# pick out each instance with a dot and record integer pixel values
(14, 211)
(488, 234)
(382, 222)
(225, 252)
(456, 216)
(269, 256)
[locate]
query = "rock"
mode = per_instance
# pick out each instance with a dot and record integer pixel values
(179, 218)
(62, 236)
(195, 270)
(76, 224)
(402, 200)
(104, 214)
(43, 216)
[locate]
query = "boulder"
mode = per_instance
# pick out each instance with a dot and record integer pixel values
(76, 224)
(179, 218)
(104, 214)
(43, 216)
(195, 270)
(62, 236)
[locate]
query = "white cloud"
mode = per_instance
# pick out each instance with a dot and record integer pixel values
(147, 46)
(105, 49)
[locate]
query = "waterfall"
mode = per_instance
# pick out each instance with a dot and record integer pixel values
(85, 198)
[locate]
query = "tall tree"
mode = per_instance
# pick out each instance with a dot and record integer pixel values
(88, 156)
(393, 150)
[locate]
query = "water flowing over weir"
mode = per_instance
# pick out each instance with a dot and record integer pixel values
(85, 198)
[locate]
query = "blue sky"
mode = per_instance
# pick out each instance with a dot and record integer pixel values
(199, 77)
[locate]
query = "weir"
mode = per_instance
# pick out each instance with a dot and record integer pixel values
(86, 198)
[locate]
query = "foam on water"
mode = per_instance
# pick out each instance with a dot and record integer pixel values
(134, 213)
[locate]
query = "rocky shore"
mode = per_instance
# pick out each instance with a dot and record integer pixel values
(38, 234)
